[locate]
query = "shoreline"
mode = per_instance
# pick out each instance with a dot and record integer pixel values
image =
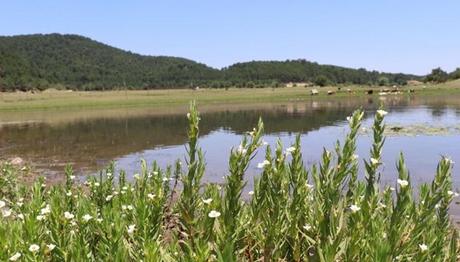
(177, 98)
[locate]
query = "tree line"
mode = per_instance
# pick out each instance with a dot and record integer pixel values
(76, 62)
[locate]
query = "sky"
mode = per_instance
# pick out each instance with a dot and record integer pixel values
(388, 35)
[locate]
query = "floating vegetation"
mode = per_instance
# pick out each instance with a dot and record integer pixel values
(416, 130)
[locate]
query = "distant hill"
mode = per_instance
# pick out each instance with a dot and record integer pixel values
(76, 62)
(79, 62)
(305, 71)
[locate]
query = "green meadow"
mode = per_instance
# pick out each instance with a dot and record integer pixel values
(55, 99)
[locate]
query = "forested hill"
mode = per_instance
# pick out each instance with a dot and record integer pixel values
(79, 62)
(305, 71)
(76, 62)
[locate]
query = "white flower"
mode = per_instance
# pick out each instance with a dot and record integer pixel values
(382, 112)
(87, 217)
(21, 216)
(155, 173)
(403, 183)
(96, 184)
(19, 204)
(40, 217)
(109, 175)
(263, 164)
(2, 204)
(108, 198)
(51, 247)
(188, 115)
(354, 157)
(251, 193)
(392, 189)
(423, 247)
(124, 207)
(137, 176)
(125, 188)
(214, 214)
(151, 196)
(6, 212)
(68, 215)
(34, 248)
(241, 150)
(165, 179)
(375, 161)
(131, 229)
(69, 193)
(437, 206)
(307, 227)
(72, 177)
(45, 210)
(289, 150)
(450, 193)
(354, 208)
(99, 220)
(207, 201)
(349, 119)
(15, 257)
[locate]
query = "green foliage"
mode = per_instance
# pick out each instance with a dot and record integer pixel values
(455, 74)
(321, 81)
(294, 213)
(383, 81)
(305, 71)
(75, 62)
(437, 75)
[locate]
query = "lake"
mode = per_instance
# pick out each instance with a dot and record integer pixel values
(89, 139)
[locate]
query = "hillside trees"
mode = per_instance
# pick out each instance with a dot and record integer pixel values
(76, 62)
(437, 75)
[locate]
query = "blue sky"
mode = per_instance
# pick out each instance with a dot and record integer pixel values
(395, 36)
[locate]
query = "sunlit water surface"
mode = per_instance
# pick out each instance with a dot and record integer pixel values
(89, 140)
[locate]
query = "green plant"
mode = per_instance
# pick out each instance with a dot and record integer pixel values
(294, 213)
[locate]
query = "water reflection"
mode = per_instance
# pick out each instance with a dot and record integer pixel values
(88, 140)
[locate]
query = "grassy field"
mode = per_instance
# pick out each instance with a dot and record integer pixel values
(53, 99)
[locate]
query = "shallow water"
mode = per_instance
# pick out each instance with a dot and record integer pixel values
(90, 139)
